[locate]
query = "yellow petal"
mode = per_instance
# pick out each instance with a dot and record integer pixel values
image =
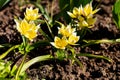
(73, 39)
(75, 11)
(96, 10)
(91, 21)
(24, 26)
(88, 9)
(29, 30)
(31, 35)
(32, 14)
(66, 31)
(84, 23)
(59, 43)
(80, 10)
(80, 18)
(71, 15)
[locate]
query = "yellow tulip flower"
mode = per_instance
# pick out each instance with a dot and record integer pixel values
(29, 30)
(82, 22)
(76, 12)
(91, 22)
(88, 10)
(73, 39)
(66, 31)
(59, 43)
(32, 14)
(84, 16)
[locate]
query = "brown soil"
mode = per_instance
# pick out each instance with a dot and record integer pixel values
(94, 69)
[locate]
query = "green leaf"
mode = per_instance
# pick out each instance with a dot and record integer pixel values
(92, 42)
(60, 54)
(83, 2)
(14, 70)
(29, 48)
(116, 13)
(5, 68)
(80, 64)
(94, 56)
(40, 43)
(64, 7)
(5, 45)
(117, 40)
(35, 60)
(3, 2)
(8, 51)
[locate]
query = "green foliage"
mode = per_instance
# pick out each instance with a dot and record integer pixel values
(3, 2)
(60, 54)
(116, 13)
(4, 68)
(8, 73)
(83, 2)
(64, 7)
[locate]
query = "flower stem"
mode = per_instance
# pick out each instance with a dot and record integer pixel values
(49, 28)
(24, 57)
(20, 67)
(94, 56)
(92, 42)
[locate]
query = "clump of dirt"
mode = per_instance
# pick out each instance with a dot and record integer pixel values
(8, 33)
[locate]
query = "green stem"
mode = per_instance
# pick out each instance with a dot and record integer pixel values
(49, 29)
(24, 41)
(8, 51)
(24, 57)
(95, 56)
(41, 9)
(35, 60)
(6, 45)
(78, 62)
(20, 67)
(71, 4)
(83, 33)
(44, 34)
(91, 42)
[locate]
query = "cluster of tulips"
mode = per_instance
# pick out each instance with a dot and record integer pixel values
(27, 27)
(84, 16)
(68, 35)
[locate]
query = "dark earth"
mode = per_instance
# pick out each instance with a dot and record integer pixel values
(94, 69)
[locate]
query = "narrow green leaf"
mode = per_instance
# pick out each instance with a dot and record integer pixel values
(5, 45)
(116, 13)
(8, 51)
(80, 64)
(84, 2)
(94, 56)
(3, 2)
(92, 42)
(35, 60)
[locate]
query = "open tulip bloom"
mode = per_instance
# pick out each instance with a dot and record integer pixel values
(29, 30)
(68, 37)
(32, 14)
(59, 43)
(84, 16)
(66, 31)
